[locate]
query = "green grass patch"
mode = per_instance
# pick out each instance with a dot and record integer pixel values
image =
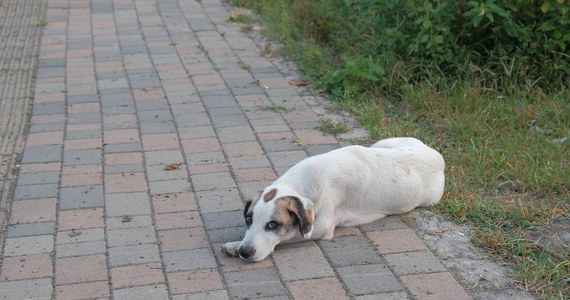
(332, 127)
(276, 108)
(42, 22)
(500, 116)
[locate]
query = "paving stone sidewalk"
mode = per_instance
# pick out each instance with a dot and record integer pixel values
(151, 122)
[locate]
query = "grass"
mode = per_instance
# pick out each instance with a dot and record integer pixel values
(42, 22)
(506, 147)
(333, 127)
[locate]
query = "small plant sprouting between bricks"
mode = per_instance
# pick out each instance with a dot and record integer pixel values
(276, 108)
(333, 127)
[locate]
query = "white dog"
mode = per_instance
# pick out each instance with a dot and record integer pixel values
(349, 186)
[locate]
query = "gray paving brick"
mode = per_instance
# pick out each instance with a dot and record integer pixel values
(28, 245)
(387, 223)
(47, 127)
(35, 191)
(84, 118)
(81, 197)
(29, 229)
(26, 289)
(82, 157)
(212, 181)
(223, 235)
(78, 236)
(38, 154)
(254, 161)
(224, 219)
(281, 145)
(350, 251)
(157, 172)
(169, 186)
(120, 148)
(130, 204)
(369, 279)
(148, 116)
(208, 295)
(219, 200)
(157, 127)
(151, 292)
(235, 134)
(48, 108)
(302, 263)
(153, 105)
(80, 249)
(192, 120)
(163, 157)
(229, 121)
(75, 99)
(254, 284)
(127, 221)
(131, 236)
(118, 110)
(414, 262)
(189, 260)
(38, 178)
(320, 149)
(132, 255)
(286, 158)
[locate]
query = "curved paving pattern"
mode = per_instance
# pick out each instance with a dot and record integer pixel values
(127, 89)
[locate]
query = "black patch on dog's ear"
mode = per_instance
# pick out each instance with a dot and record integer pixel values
(305, 216)
(247, 206)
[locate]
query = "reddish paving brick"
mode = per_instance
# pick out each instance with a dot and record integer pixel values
(49, 97)
(165, 141)
(323, 288)
(81, 219)
(45, 138)
(346, 231)
(242, 149)
(255, 174)
(89, 290)
(125, 183)
(80, 269)
(209, 168)
(183, 239)
(31, 211)
(123, 158)
(174, 203)
(81, 175)
(201, 145)
(194, 281)
(120, 119)
(306, 115)
(80, 127)
(435, 286)
(148, 94)
(183, 219)
(250, 98)
(26, 267)
(78, 144)
(399, 240)
(129, 276)
(276, 82)
(314, 137)
(40, 167)
(121, 136)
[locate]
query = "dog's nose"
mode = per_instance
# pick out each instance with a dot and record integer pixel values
(246, 252)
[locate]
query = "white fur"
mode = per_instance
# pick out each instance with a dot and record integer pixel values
(350, 186)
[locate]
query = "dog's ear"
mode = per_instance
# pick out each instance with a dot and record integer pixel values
(247, 206)
(304, 214)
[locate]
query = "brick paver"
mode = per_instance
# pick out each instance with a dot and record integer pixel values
(151, 122)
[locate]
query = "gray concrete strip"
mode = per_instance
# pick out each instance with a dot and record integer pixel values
(20, 34)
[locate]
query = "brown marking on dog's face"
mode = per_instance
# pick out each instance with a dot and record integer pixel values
(291, 215)
(267, 197)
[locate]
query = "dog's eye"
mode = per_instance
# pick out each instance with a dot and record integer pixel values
(248, 220)
(272, 225)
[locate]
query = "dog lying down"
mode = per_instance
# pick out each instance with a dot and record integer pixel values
(345, 187)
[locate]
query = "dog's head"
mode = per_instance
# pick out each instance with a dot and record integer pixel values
(271, 218)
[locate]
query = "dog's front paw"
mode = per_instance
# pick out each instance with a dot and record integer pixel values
(231, 249)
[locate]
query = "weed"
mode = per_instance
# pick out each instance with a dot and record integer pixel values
(244, 65)
(42, 22)
(240, 15)
(297, 141)
(276, 108)
(332, 127)
(267, 50)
